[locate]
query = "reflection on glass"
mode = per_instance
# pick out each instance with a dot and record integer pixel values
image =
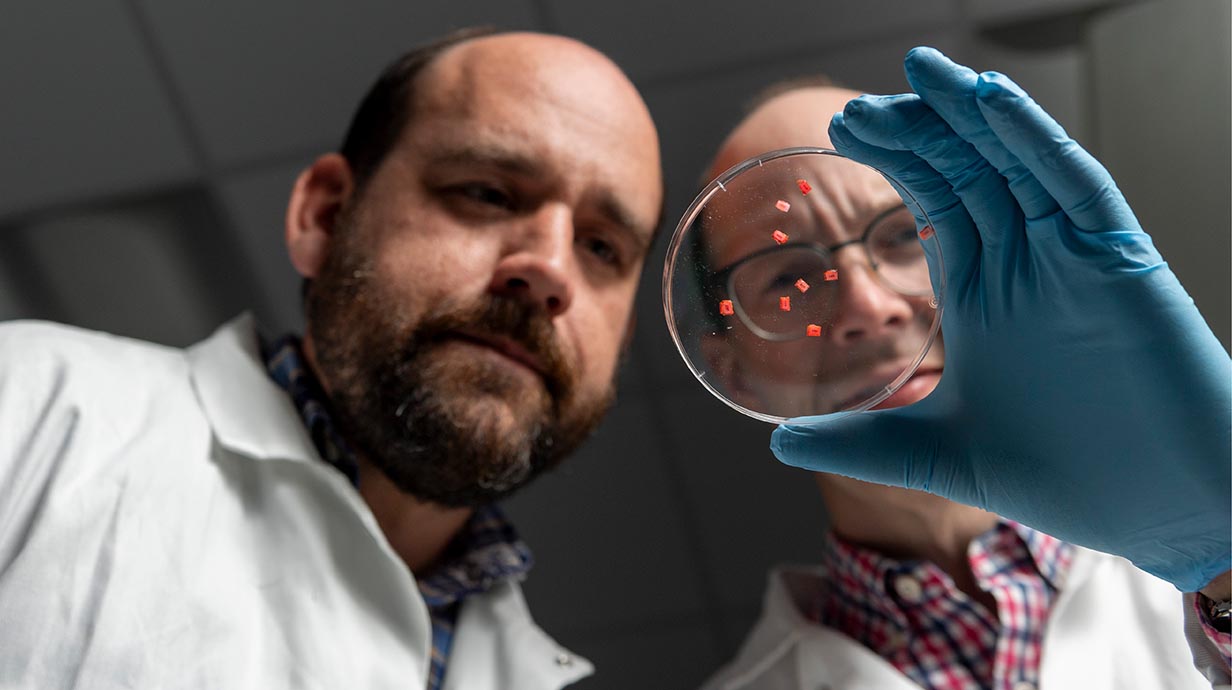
(798, 283)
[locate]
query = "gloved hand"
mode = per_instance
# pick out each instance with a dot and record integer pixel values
(1083, 394)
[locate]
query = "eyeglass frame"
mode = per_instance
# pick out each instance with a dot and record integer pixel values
(724, 276)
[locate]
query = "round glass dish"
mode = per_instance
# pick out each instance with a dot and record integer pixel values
(799, 283)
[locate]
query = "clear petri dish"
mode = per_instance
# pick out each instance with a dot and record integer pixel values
(801, 283)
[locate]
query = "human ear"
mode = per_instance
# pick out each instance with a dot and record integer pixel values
(320, 193)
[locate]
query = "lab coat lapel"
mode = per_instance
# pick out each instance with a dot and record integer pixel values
(498, 647)
(249, 413)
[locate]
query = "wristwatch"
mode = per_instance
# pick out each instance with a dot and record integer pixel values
(1218, 613)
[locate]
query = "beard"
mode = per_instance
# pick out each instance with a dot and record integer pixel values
(443, 425)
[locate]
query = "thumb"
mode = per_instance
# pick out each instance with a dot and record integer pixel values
(893, 447)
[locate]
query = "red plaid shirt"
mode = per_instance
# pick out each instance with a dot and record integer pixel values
(1221, 640)
(913, 616)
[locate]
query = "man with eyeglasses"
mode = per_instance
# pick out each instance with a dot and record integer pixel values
(915, 589)
(856, 270)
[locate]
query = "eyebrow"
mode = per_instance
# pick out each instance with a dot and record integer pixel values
(515, 162)
(489, 156)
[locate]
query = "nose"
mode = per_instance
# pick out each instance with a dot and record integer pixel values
(537, 261)
(867, 309)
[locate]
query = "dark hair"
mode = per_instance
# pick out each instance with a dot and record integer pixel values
(389, 105)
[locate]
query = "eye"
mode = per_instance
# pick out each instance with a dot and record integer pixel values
(899, 237)
(483, 194)
(779, 282)
(487, 194)
(601, 248)
(897, 245)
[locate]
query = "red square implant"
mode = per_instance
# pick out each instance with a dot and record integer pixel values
(813, 330)
(831, 274)
(801, 285)
(726, 308)
(926, 232)
(779, 236)
(782, 206)
(804, 186)
(785, 303)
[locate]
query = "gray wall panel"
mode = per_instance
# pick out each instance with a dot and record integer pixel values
(279, 76)
(84, 115)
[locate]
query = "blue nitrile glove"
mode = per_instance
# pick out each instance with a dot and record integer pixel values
(1083, 394)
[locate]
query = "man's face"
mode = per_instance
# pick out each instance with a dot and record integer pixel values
(470, 314)
(872, 333)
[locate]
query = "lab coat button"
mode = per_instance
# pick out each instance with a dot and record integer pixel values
(564, 660)
(910, 590)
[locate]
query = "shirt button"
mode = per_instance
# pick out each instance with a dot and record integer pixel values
(910, 590)
(564, 660)
(1024, 685)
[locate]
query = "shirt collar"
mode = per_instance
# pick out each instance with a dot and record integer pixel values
(861, 575)
(1052, 556)
(286, 365)
(486, 552)
(865, 577)
(249, 414)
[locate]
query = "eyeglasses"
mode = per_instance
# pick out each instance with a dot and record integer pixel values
(758, 283)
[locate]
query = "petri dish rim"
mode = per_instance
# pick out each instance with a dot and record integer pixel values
(718, 185)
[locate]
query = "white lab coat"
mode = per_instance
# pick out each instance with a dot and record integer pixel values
(1112, 627)
(165, 522)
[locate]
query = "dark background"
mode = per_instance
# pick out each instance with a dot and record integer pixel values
(147, 148)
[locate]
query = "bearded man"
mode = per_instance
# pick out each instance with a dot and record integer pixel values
(319, 512)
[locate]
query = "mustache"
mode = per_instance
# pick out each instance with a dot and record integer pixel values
(515, 320)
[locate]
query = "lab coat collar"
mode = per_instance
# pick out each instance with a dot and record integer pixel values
(498, 645)
(249, 413)
(819, 653)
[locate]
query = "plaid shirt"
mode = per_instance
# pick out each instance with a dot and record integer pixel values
(1222, 640)
(913, 615)
(485, 553)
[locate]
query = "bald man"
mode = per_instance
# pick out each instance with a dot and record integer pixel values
(319, 511)
(914, 590)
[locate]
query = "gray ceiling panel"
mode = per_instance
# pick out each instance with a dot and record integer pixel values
(84, 115)
(1001, 12)
(282, 76)
(154, 269)
(654, 40)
